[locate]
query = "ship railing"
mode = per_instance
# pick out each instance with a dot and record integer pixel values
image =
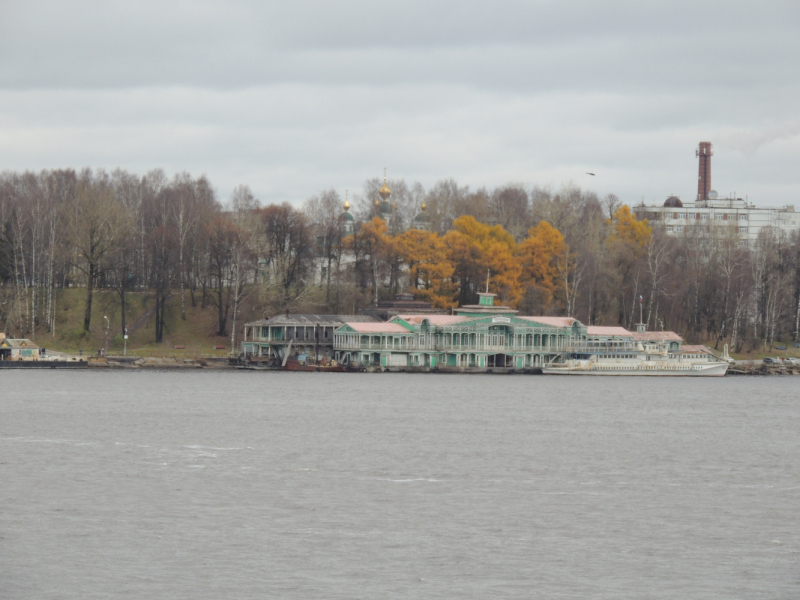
(603, 347)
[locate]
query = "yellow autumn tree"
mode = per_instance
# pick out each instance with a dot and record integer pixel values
(476, 247)
(429, 270)
(628, 230)
(540, 254)
(464, 258)
(372, 246)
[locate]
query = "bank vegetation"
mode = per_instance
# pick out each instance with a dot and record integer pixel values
(549, 252)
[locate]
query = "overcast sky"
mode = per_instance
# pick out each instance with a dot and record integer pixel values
(295, 97)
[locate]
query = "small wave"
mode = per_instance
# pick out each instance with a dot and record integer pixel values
(194, 447)
(28, 440)
(407, 480)
(198, 454)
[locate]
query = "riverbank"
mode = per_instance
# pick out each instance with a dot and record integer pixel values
(759, 368)
(152, 362)
(122, 362)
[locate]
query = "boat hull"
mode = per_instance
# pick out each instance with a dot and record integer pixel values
(43, 364)
(294, 365)
(715, 370)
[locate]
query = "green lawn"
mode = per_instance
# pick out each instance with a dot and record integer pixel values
(197, 333)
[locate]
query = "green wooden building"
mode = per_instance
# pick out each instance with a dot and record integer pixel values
(294, 334)
(478, 336)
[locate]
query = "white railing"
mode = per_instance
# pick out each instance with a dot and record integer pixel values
(414, 346)
(286, 340)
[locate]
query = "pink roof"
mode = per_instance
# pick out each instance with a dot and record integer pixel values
(658, 336)
(695, 349)
(552, 321)
(378, 327)
(435, 319)
(612, 331)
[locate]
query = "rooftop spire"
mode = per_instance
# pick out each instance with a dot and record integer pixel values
(384, 191)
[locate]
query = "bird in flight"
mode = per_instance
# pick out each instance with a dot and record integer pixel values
(592, 174)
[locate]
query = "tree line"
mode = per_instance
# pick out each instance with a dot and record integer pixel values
(564, 252)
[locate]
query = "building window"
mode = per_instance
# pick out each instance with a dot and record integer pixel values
(704, 217)
(743, 217)
(670, 228)
(680, 228)
(719, 217)
(681, 215)
(692, 215)
(743, 242)
(742, 229)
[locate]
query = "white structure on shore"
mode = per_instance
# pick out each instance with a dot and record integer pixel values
(717, 216)
(709, 215)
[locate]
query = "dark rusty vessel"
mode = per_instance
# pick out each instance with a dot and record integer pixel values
(292, 364)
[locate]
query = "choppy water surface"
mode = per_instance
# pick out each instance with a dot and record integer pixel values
(305, 485)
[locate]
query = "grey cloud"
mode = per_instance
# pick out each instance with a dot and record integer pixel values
(516, 45)
(297, 97)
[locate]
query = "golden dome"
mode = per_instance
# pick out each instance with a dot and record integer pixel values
(346, 203)
(423, 207)
(384, 191)
(377, 203)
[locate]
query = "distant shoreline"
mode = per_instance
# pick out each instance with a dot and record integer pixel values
(223, 364)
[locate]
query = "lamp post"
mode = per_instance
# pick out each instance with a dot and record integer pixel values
(125, 342)
(105, 344)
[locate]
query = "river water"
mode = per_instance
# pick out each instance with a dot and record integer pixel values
(151, 484)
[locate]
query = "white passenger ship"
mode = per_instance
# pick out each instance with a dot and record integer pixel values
(636, 358)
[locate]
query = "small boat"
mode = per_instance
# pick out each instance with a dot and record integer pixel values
(627, 358)
(294, 364)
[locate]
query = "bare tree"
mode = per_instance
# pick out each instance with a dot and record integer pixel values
(95, 226)
(323, 211)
